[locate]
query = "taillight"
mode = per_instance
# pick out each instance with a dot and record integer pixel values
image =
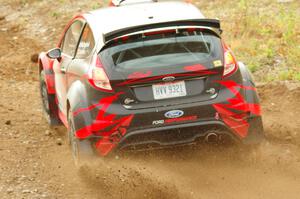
(111, 3)
(230, 65)
(98, 77)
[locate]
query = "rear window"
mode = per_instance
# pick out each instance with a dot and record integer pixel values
(168, 48)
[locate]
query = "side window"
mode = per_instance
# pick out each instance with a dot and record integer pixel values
(86, 44)
(71, 38)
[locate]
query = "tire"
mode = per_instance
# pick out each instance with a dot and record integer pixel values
(50, 108)
(82, 150)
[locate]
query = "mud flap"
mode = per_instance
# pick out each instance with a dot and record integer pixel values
(255, 132)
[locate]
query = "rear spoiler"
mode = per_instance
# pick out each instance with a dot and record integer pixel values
(212, 23)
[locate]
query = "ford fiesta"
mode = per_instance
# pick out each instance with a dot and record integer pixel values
(147, 74)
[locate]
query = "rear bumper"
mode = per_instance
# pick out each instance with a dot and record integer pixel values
(188, 133)
(179, 135)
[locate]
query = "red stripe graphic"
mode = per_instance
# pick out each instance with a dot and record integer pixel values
(107, 126)
(237, 122)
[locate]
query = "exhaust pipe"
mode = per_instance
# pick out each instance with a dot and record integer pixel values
(212, 138)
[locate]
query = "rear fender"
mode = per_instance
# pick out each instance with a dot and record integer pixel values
(46, 65)
(256, 130)
(250, 95)
(78, 98)
(243, 110)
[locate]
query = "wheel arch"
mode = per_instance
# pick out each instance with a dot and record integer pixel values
(40, 66)
(45, 64)
(77, 98)
(246, 74)
(248, 81)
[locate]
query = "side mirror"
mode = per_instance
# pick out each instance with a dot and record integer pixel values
(54, 53)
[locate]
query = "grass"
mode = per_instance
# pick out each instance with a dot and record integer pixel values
(264, 34)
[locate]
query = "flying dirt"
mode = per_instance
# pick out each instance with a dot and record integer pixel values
(35, 161)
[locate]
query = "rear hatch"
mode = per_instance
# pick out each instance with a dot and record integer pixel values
(165, 67)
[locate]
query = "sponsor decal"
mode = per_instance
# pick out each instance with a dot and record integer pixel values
(173, 120)
(217, 63)
(157, 122)
(194, 68)
(174, 114)
(137, 75)
(182, 119)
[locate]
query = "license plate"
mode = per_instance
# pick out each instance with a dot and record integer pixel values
(169, 90)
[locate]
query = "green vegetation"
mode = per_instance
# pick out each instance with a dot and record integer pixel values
(264, 34)
(55, 14)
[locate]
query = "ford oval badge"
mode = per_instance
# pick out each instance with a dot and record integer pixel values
(168, 79)
(174, 114)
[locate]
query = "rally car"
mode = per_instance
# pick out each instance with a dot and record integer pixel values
(147, 75)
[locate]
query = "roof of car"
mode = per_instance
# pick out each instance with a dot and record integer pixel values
(109, 19)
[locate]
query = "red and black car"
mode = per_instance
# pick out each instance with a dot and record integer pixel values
(146, 75)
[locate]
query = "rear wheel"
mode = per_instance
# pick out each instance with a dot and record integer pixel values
(82, 150)
(50, 108)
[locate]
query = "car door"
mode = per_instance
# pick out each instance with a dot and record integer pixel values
(68, 47)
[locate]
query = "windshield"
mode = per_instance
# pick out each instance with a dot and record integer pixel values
(165, 49)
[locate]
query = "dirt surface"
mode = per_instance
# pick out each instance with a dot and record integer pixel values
(35, 161)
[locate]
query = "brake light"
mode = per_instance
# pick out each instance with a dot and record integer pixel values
(230, 65)
(98, 77)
